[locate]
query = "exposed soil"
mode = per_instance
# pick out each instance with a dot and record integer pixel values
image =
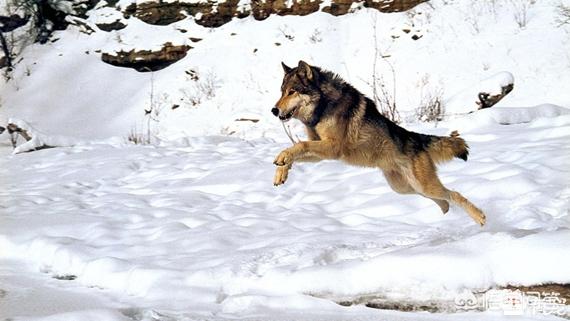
(561, 291)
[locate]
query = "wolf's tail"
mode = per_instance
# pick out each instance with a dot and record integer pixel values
(443, 149)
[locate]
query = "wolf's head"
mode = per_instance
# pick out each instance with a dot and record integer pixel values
(300, 93)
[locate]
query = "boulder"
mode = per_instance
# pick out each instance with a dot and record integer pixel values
(147, 60)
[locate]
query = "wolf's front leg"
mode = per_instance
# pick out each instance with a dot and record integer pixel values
(311, 151)
(283, 161)
(284, 158)
(281, 174)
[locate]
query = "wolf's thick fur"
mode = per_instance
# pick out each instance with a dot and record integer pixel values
(344, 124)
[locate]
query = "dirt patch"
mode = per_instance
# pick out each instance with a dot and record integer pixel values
(65, 277)
(562, 289)
(537, 299)
(385, 303)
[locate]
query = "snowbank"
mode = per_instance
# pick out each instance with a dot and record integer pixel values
(40, 140)
(506, 116)
(198, 230)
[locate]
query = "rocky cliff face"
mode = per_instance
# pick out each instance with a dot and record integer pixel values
(215, 14)
(208, 13)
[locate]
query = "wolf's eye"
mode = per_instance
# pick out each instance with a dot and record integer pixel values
(290, 92)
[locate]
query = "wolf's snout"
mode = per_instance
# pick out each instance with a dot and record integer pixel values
(275, 111)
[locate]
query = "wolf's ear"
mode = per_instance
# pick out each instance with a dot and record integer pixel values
(305, 70)
(286, 68)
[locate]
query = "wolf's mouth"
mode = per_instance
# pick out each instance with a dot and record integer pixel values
(288, 115)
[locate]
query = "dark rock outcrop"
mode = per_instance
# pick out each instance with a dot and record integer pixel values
(8, 24)
(211, 14)
(164, 13)
(147, 60)
(12, 22)
(4, 62)
(487, 100)
(115, 25)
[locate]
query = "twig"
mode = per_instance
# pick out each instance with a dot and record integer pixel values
(288, 132)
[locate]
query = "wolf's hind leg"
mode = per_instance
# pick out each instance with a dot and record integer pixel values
(398, 182)
(443, 204)
(400, 185)
(426, 182)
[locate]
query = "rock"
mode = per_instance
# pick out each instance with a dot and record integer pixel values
(487, 100)
(146, 60)
(215, 14)
(484, 94)
(494, 88)
(12, 22)
(165, 13)
(115, 25)
(4, 62)
(392, 5)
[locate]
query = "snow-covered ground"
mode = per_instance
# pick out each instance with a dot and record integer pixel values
(64, 88)
(191, 228)
(196, 230)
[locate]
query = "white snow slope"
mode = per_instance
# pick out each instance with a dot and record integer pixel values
(192, 228)
(63, 87)
(196, 229)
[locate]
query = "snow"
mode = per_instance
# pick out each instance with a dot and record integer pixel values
(197, 226)
(39, 139)
(97, 106)
(507, 116)
(191, 228)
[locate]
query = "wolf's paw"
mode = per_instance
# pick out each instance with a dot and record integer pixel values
(284, 158)
(479, 217)
(444, 206)
(281, 174)
(482, 219)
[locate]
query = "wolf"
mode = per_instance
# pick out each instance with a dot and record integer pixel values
(343, 124)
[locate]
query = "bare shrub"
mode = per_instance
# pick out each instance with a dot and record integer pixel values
(563, 14)
(473, 15)
(152, 112)
(520, 11)
(286, 32)
(384, 98)
(204, 87)
(316, 36)
(137, 137)
(208, 85)
(431, 107)
(476, 9)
